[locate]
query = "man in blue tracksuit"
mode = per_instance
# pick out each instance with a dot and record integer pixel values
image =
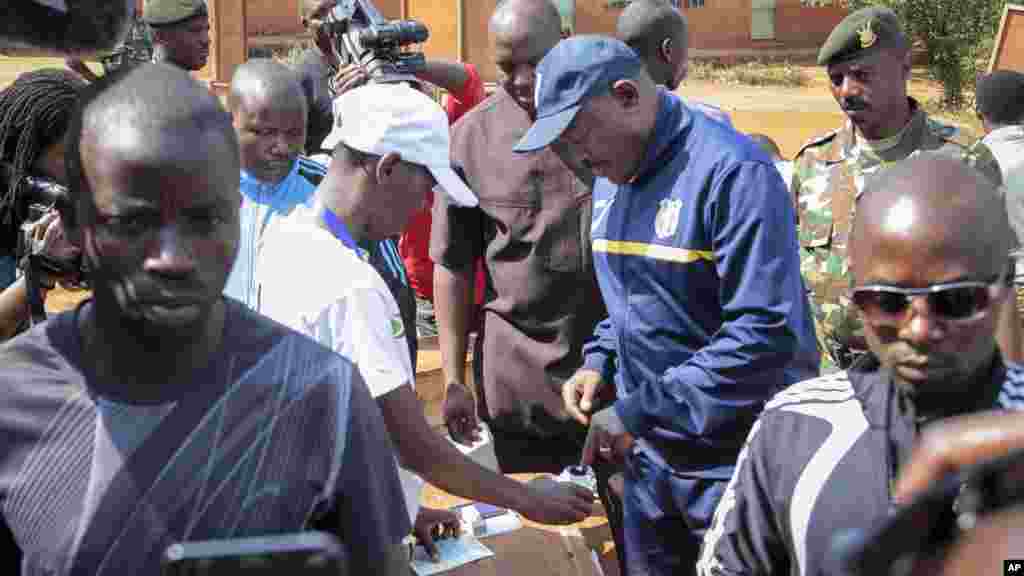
(695, 249)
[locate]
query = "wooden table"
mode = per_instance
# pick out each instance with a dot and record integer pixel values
(535, 549)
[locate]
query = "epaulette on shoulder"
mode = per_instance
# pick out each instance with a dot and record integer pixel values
(818, 141)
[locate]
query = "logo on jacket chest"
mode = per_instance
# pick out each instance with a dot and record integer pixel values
(666, 222)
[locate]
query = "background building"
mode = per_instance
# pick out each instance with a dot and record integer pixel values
(458, 28)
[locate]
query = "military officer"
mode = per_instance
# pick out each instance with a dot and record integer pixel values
(180, 32)
(868, 61)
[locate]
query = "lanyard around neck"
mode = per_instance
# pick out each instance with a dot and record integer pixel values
(340, 231)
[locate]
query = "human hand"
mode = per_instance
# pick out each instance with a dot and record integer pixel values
(952, 444)
(578, 394)
(555, 502)
(49, 234)
(459, 412)
(607, 438)
(433, 524)
(49, 240)
(348, 78)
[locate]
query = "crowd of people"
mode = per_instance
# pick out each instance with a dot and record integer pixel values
(757, 355)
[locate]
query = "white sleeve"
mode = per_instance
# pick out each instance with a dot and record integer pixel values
(368, 330)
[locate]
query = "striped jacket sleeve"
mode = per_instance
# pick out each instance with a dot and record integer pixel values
(1011, 397)
(744, 537)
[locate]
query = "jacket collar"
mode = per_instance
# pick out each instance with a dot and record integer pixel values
(673, 119)
(263, 192)
(847, 139)
(876, 391)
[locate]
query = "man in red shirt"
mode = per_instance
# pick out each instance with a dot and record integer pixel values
(414, 245)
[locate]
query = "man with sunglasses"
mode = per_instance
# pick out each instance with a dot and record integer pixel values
(868, 61)
(930, 285)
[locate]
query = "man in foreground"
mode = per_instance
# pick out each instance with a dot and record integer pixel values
(391, 151)
(169, 412)
(695, 251)
(868, 60)
(929, 284)
(180, 31)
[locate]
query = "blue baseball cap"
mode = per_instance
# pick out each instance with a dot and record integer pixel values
(574, 70)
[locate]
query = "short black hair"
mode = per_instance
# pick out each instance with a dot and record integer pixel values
(269, 77)
(645, 24)
(542, 15)
(1000, 97)
(154, 97)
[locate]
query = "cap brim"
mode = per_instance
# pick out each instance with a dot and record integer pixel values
(546, 130)
(453, 186)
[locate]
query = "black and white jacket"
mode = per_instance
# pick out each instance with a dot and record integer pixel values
(819, 461)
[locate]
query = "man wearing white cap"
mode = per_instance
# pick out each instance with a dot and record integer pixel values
(391, 150)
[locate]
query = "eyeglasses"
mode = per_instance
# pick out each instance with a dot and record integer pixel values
(953, 302)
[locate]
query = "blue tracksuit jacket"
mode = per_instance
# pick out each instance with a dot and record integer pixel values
(698, 263)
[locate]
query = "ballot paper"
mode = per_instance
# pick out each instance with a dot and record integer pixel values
(454, 552)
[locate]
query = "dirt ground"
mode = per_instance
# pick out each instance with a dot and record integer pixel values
(791, 116)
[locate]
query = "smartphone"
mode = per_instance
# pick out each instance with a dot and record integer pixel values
(298, 554)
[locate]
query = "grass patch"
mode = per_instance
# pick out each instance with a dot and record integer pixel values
(752, 73)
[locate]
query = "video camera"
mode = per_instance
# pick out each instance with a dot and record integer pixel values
(361, 35)
(34, 198)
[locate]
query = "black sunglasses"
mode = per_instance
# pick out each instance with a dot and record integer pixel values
(954, 301)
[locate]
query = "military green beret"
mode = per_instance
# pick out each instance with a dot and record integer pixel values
(862, 33)
(170, 12)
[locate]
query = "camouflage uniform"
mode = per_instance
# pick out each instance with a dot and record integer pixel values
(829, 176)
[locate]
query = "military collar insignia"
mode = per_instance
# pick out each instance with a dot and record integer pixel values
(867, 36)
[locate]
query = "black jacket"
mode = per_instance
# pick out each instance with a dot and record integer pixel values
(821, 460)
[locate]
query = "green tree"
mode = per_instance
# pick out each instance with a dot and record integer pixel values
(952, 32)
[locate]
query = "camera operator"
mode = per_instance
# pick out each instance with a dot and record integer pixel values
(35, 112)
(48, 236)
(319, 68)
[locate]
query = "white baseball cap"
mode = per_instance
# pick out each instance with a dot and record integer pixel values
(384, 118)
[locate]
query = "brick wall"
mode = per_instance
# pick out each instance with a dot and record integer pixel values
(718, 26)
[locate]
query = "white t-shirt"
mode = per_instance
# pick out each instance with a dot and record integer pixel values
(310, 282)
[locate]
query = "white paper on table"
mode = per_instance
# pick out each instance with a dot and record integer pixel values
(492, 526)
(454, 552)
(505, 523)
